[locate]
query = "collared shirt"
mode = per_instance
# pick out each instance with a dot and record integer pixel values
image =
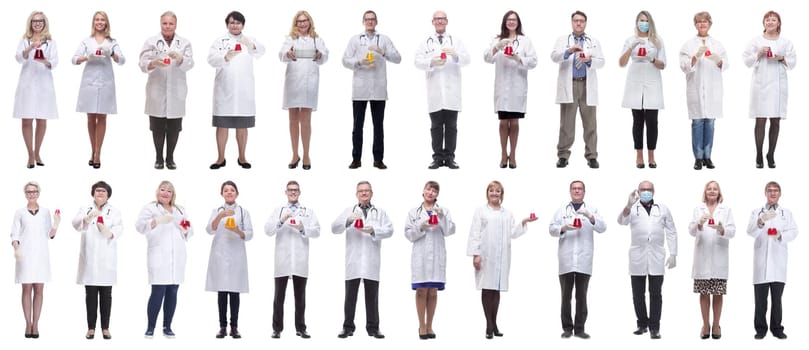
(579, 70)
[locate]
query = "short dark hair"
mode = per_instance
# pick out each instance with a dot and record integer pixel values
(228, 183)
(433, 184)
(579, 182)
(579, 13)
(236, 15)
(101, 184)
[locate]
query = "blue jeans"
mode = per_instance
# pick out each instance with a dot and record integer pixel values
(167, 296)
(702, 137)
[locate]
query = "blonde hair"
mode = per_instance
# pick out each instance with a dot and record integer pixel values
(703, 15)
(106, 28)
(169, 13)
(705, 191)
(29, 30)
(652, 30)
(293, 32)
(498, 185)
(170, 186)
(32, 184)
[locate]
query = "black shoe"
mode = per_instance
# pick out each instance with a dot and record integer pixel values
(654, 334)
(170, 165)
(303, 334)
(245, 165)
(592, 163)
(90, 163)
(379, 164)
(355, 164)
(770, 161)
(561, 163)
(424, 336)
(431, 335)
(106, 336)
(276, 334)
(640, 165)
(234, 333)
(653, 165)
(435, 164)
(497, 333)
(96, 165)
(295, 164)
(452, 165)
(760, 335)
(86, 336)
(345, 333)
(489, 336)
(567, 334)
(222, 333)
(158, 165)
(376, 334)
(582, 335)
(716, 336)
(215, 166)
(640, 331)
(698, 164)
(708, 163)
(780, 335)
(759, 161)
(40, 163)
(503, 165)
(306, 166)
(30, 166)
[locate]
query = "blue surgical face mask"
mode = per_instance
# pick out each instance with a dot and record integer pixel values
(646, 196)
(643, 27)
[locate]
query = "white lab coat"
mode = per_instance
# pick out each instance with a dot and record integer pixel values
(769, 253)
(511, 74)
(428, 259)
(363, 251)
(649, 232)
(769, 85)
(33, 233)
(166, 252)
(711, 250)
(490, 238)
(564, 81)
(36, 96)
(703, 80)
(234, 90)
(576, 246)
(370, 84)
(291, 245)
(166, 87)
(302, 77)
(97, 89)
(98, 255)
(644, 84)
(443, 82)
(227, 264)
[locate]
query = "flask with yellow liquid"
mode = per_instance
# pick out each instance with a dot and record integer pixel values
(230, 223)
(370, 57)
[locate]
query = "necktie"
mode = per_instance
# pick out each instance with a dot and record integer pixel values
(440, 39)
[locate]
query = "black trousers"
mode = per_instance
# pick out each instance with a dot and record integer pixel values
(165, 130)
(760, 321)
(371, 304)
(652, 320)
(649, 118)
(444, 133)
(94, 294)
(299, 289)
(222, 301)
(378, 118)
(567, 282)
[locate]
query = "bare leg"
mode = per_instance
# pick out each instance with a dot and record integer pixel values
(638, 156)
(717, 313)
(28, 137)
(705, 308)
(38, 295)
(306, 132)
(294, 132)
(421, 307)
(99, 130)
(513, 133)
(503, 141)
(651, 153)
(39, 135)
(26, 306)
(91, 131)
(221, 141)
(241, 140)
(432, 301)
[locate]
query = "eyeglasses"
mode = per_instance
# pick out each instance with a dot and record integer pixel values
(31, 192)
(769, 190)
(37, 21)
(369, 19)
(440, 19)
(293, 190)
(512, 20)
(363, 191)
(302, 21)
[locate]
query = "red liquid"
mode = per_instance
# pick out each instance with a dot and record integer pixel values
(443, 55)
(57, 212)
(358, 223)
(772, 231)
(577, 223)
(710, 221)
(292, 221)
(98, 52)
(533, 216)
(581, 54)
(707, 53)
(39, 55)
(167, 60)
(769, 53)
(238, 47)
(433, 219)
(100, 220)
(185, 224)
(508, 51)
(642, 52)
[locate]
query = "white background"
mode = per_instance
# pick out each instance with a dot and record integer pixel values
(529, 311)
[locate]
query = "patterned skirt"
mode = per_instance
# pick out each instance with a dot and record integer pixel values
(713, 286)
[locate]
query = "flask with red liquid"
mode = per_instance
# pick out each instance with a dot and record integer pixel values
(98, 52)
(185, 224)
(358, 223)
(292, 221)
(577, 223)
(707, 53)
(167, 60)
(238, 47)
(100, 219)
(433, 219)
(711, 221)
(581, 54)
(769, 53)
(443, 55)
(772, 231)
(39, 55)
(642, 51)
(532, 216)
(508, 50)
(57, 212)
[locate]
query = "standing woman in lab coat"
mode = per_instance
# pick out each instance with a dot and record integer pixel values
(643, 92)
(234, 92)
(230, 226)
(166, 57)
(512, 55)
(703, 59)
(303, 51)
(426, 227)
(771, 56)
(97, 89)
(36, 97)
(712, 225)
(30, 232)
(100, 226)
(489, 245)
(167, 227)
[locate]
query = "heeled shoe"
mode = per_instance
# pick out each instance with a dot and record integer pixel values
(90, 162)
(705, 335)
(503, 165)
(40, 163)
(716, 335)
(106, 334)
(90, 335)
(640, 165)
(431, 335)
(653, 165)
(30, 166)
(27, 332)
(759, 161)
(96, 165)
(244, 165)
(512, 164)
(770, 161)
(215, 166)
(294, 164)
(306, 166)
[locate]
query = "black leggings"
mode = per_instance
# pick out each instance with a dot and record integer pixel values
(165, 130)
(639, 118)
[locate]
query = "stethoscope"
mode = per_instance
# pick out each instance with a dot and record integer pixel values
(90, 209)
(588, 43)
(570, 212)
(225, 42)
(371, 210)
(161, 209)
(301, 209)
(241, 213)
(651, 211)
(422, 210)
(776, 208)
(431, 43)
(42, 46)
(161, 46)
(364, 39)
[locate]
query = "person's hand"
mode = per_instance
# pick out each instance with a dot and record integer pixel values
(377, 49)
(164, 219)
(720, 229)
(291, 54)
(17, 252)
(762, 51)
(476, 262)
(637, 42)
(298, 225)
(705, 217)
(368, 229)
(104, 230)
(701, 51)
(285, 216)
(158, 62)
(318, 55)
(765, 216)
(633, 198)
(246, 43)
(366, 63)
(716, 59)
(353, 217)
(90, 216)
(584, 212)
(568, 228)
(449, 51)
(502, 43)
(671, 262)
(575, 48)
(439, 212)
(437, 61)
(231, 54)
(57, 218)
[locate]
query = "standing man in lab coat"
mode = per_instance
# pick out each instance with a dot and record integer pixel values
(292, 225)
(773, 226)
(367, 55)
(651, 226)
(365, 227)
(578, 56)
(442, 55)
(574, 224)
